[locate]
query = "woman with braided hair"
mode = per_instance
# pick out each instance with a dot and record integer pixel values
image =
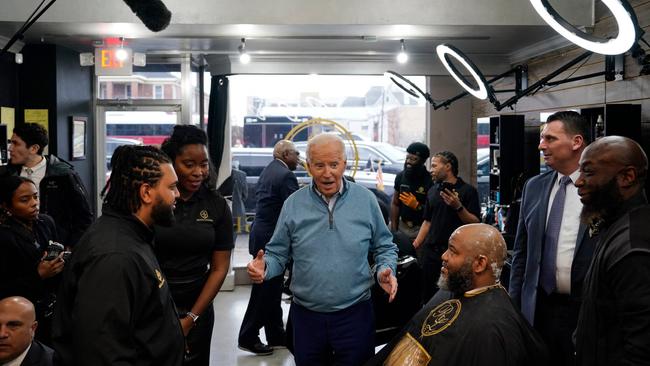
(194, 253)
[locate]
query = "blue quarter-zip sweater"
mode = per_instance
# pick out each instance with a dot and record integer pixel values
(330, 249)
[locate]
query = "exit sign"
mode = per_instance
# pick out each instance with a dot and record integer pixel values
(107, 62)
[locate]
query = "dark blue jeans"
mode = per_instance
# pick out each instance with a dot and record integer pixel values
(344, 337)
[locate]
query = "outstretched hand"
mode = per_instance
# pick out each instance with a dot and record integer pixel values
(255, 268)
(388, 282)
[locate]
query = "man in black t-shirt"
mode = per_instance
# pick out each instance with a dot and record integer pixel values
(450, 203)
(411, 187)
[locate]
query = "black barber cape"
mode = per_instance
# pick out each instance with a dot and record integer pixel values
(481, 328)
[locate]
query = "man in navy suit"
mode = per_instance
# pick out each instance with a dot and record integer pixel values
(276, 183)
(17, 327)
(552, 252)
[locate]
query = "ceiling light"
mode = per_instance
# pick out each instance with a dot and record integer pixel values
(244, 57)
(443, 51)
(623, 15)
(402, 56)
(121, 53)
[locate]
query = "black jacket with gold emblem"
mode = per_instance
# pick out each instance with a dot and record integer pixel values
(115, 307)
(480, 328)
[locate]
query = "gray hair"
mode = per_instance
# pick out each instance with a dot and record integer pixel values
(282, 147)
(325, 139)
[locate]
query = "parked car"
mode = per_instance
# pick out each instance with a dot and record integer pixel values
(253, 160)
(391, 157)
(113, 143)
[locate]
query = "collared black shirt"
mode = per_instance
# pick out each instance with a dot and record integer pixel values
(203, 224)
(114, 306)
(444, 219)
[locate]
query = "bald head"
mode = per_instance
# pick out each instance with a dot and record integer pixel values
(613, 170)
(18, 305)
(282, 147)
(286, 151)
(17, 327)
(618, 151)
(483, 240)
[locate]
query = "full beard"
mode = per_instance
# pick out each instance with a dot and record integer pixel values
(414, 170)
(458, 282)
(162, 214)
(604, 203)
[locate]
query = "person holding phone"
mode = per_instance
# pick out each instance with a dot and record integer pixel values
(25, 267)
(414, 183)
(450, 204)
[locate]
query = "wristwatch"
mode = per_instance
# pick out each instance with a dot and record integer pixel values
(460, 208)
(193, 316)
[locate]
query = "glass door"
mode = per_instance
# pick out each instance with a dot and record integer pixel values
(139, 125)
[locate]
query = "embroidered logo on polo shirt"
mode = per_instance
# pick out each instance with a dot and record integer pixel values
(441, 317)
(421, 190)
(161, 279)
(204, 216)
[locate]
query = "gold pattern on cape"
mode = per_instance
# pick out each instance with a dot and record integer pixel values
(161, 279)
(408, 352)
(441, 317)
(480, 290)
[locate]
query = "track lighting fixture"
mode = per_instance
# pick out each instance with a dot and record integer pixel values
(121, 54)
(244, 57)
(402, 56)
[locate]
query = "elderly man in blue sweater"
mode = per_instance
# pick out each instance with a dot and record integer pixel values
(329, 228)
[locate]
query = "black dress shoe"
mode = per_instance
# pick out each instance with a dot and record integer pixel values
(258, 348)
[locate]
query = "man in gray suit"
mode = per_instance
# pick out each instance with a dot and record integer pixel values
(551, 256)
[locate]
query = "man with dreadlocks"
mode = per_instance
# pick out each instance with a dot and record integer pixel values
(115, 305)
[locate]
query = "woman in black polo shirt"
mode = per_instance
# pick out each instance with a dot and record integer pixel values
(194, 253)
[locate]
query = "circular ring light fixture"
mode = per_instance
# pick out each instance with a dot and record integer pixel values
(405, 84)
(623, 14)
(445, 50)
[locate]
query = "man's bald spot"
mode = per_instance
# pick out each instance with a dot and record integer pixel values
(483, 239)
(20, 305)
(618, 150)
(281, 147)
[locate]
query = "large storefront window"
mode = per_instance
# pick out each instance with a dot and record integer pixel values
(263, 108)
(156, 81)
